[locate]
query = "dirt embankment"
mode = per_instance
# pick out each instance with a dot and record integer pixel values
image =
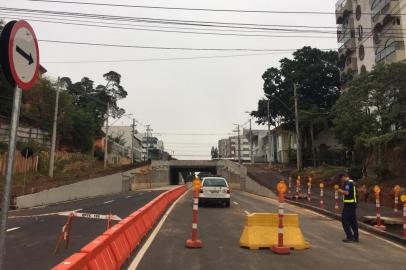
(270, 175)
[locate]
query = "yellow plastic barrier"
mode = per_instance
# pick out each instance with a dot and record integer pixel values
(261, 231)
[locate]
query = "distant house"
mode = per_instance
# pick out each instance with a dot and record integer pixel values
(280, 143)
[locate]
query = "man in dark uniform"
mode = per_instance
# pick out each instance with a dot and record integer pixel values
(349, 215)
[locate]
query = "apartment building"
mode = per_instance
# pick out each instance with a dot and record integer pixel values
(228, 148)
(369, 32)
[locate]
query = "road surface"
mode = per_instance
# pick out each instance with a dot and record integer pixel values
(220, 230)
(33, 232)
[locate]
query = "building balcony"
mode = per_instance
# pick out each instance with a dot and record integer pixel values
(380, 8)
(393, 51)
(343, 11)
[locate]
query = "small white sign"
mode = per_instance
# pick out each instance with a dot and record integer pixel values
(92, 216)
(23, 54)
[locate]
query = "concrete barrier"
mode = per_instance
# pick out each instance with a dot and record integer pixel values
(99, 186)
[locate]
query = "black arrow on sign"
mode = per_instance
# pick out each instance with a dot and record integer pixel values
(25, 55)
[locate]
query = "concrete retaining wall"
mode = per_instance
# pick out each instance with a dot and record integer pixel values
(253, 187)
(105, 185)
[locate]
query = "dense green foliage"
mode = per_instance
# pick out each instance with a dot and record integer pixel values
(82, 108)
(316, 74)
(373, 105)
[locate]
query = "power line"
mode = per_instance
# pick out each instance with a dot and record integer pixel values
(147, 19)
(276, 28)
(196, 9)
(160, 59)
(191, 134)
(174, 31)
(161, 47)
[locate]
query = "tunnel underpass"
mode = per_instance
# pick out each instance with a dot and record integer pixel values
(174, 172)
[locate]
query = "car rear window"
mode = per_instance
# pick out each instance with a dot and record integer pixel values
(214, 182)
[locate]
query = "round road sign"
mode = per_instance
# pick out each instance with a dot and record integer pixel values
(23, 54)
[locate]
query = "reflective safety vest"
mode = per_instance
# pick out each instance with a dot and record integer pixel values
(352, 196)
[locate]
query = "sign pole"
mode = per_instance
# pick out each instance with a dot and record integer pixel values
(9, 173)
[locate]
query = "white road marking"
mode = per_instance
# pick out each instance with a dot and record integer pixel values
(236, 203)
(129, 196)
(134, 264)
(108, 202)
(77, 210)
(246, 212)
(141, 193)
(13, 229)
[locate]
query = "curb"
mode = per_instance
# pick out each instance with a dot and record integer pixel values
(366, 227)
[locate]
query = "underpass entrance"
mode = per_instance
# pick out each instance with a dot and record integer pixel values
(176, 172)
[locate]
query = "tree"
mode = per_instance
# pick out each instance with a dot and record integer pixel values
(316, 74)
(373, 105)
(95, 99)
(214, 152)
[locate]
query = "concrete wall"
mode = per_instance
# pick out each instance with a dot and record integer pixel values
(253, 187)
(89, 188)
(157, 175)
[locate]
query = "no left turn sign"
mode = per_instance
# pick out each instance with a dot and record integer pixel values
(23, 54)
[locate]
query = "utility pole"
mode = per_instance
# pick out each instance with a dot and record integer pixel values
(239, 144)
(298, 146)
(251, 144)
(147, 148)
(132, 142)
(53, 144)
(106, 136)
(269, 132)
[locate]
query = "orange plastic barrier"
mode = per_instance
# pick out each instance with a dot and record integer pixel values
(111, 250)
(100, 255)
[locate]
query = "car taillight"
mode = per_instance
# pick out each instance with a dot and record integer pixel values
(201, 190)
(228, 190)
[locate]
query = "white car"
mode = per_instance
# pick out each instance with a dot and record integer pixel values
(214, 189)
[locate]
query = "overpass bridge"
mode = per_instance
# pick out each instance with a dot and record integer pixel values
(163, 173)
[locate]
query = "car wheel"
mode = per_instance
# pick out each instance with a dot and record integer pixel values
(227, 203)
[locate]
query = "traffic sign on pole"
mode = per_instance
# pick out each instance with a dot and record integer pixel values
(20, 62)
(23, 54)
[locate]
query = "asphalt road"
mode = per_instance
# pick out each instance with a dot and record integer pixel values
(34, 232)
(220, 230)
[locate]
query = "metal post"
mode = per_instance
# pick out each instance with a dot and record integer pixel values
(132, 143)
(25, 171)
(106, 137)
(9, 172)
(269, 134)
(239, 144)
(298, 146)
(251, 152)
(55, 124)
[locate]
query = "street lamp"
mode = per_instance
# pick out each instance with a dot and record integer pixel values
(239, 143)
(251, 148)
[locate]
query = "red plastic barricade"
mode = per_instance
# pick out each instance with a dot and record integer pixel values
(100, 256)
(118, 243)
(77, 261)
(110, 250)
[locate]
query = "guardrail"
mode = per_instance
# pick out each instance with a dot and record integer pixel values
(112, 249)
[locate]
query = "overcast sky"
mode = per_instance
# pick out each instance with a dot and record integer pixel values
(199, 96)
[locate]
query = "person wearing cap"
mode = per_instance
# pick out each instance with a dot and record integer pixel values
(349, 214)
